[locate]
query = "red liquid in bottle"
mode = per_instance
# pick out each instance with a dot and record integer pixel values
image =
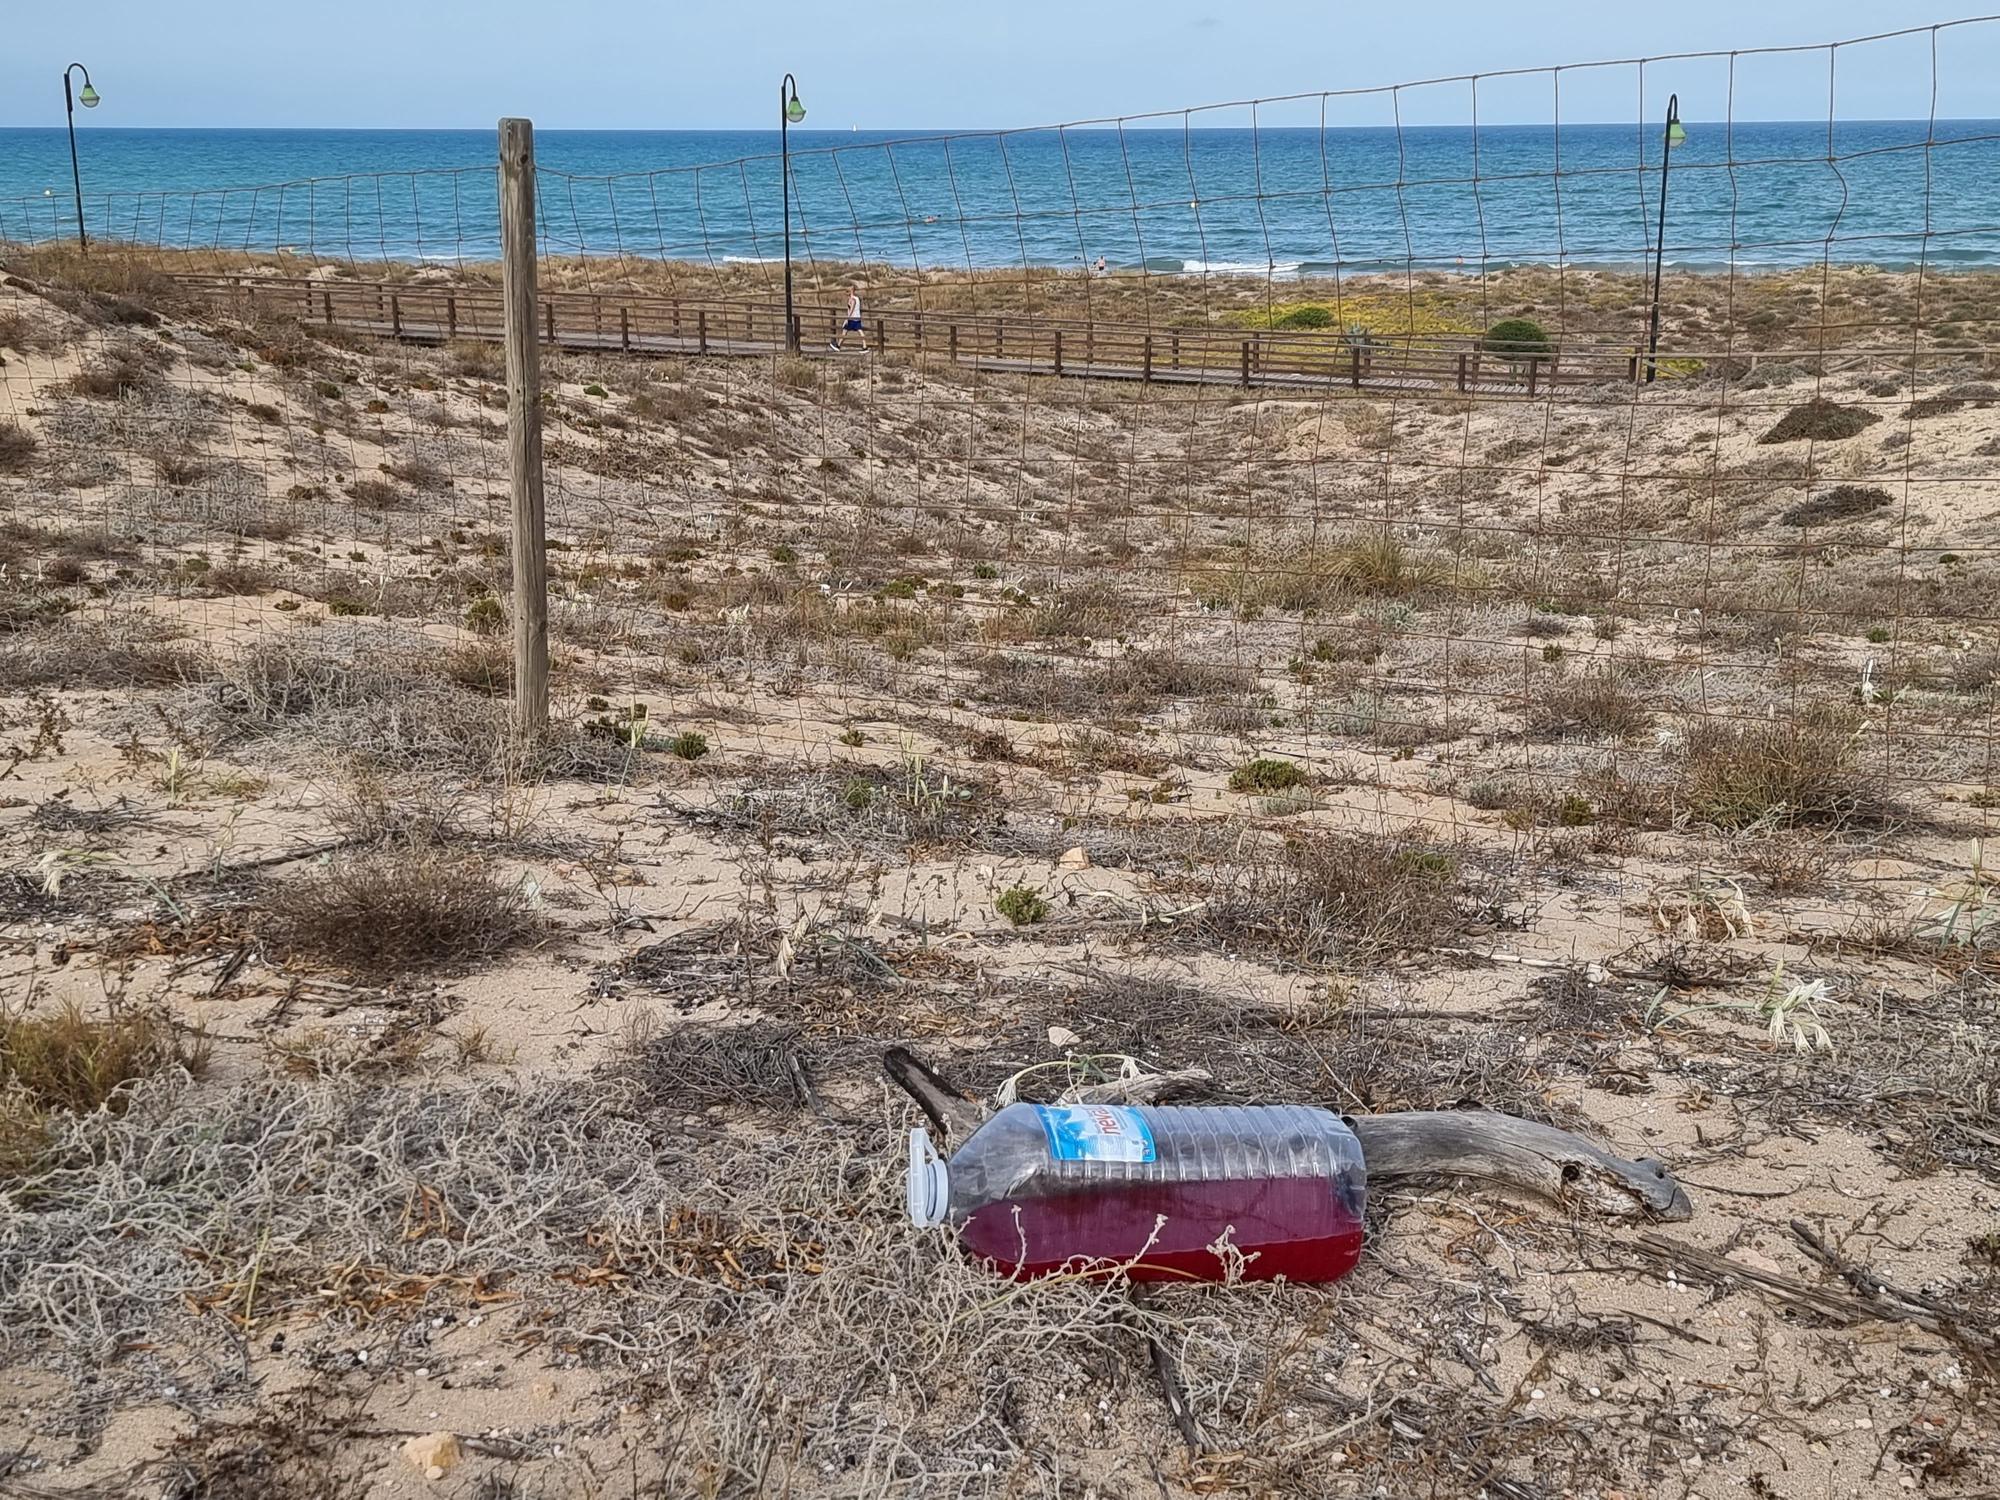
(1294, 1227)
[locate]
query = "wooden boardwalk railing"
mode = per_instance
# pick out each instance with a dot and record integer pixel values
(438, 312)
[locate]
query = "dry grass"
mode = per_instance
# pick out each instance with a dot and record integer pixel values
(118, 652)
(484, 665)
(123, 370)
(400, 910)
(1841, 503)
(1306, 578)
(476, 359)
(1600, 703)
(63, 1060)
(1777, 773)
(1337, 901)
(18, 447)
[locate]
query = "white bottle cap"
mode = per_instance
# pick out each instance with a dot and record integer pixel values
(929, 1182)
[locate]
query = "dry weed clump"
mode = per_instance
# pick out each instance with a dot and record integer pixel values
(475, 359)
(1824, 420)
(1337, 901)
(1777, 773)
(1841, 503)
(122, 370)
(17, 448)
(408, 909)
(1309, 578)
(110, 652)
(1134, 682)
(63, 1060)
(484, 665)
(1602, 703)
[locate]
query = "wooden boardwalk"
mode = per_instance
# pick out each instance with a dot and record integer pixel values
(631, 323)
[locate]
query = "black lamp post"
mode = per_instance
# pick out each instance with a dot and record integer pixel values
(88, 99)
(1673, 137)
(790, 112)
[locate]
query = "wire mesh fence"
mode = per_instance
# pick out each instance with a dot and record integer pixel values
(1207, 461)
(1255, 654)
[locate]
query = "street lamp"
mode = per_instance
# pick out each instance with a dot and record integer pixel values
(1673, 137)
(88, 99)
(790, 112)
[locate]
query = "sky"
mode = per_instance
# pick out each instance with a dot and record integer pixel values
(933, 64)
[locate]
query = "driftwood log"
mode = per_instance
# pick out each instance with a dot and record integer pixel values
(1477, 1143)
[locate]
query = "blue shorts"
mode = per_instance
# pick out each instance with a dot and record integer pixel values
(853, 325)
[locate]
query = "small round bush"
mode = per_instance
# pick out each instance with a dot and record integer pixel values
(1517, 338)
(1306, 315)
(1267, 775)
(1021, 906)
(689, 744)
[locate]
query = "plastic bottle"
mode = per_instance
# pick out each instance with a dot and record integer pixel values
(1164, 1193)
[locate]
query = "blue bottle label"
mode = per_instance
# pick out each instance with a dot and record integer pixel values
(1096, 1132)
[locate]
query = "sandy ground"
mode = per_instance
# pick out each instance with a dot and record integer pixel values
(1640, 777)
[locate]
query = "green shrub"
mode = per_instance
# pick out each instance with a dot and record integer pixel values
(594, 389)
(689, 744)
(1021, 906)
(1305, 315)
(1266, 775)
(1516, 338)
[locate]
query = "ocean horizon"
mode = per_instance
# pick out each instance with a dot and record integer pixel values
(1285, 202)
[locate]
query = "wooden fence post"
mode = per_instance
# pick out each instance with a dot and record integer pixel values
(701, 330)
(954, 343)
(1146, 364)
(1058, 351)
(395, 315)
(624, 327)
(1246, 362)
(451, 314)
(524, 425)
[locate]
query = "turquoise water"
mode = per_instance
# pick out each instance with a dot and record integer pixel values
(1278, 201)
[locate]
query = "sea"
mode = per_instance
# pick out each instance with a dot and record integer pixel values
(1276, 202)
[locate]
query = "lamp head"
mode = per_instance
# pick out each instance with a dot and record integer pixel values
(795, 111)
(1675, 135)
(88, 98)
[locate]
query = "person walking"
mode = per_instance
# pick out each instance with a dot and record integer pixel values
(853, 323)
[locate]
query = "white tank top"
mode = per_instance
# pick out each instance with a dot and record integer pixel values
(854, 304)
